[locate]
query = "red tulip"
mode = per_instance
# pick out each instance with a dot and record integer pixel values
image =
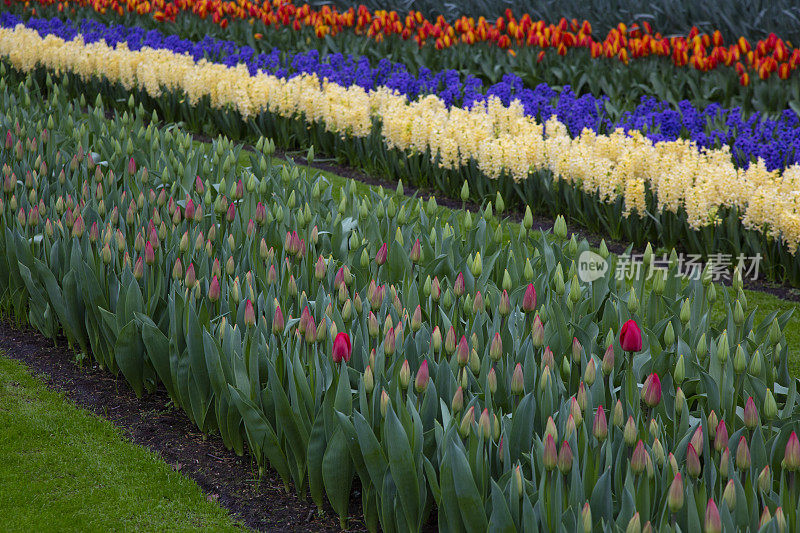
(721, 438)
(342, 348)
(529, 300)
(630, 337)
(189, 210)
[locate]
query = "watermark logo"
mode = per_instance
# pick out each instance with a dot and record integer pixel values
(591, 266)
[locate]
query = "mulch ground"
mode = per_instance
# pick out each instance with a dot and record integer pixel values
(150, 421)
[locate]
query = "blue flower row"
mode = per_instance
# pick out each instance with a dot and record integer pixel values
(777, 142)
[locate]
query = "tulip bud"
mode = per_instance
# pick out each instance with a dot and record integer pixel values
(675, 496)
(590, 373)
(658, 451)
(190, 278)
(466, 422)
(750, 414)
(491, 380)
(462, 355)
(692, 461)
(474, 361)
(722, 347)
(755, 364)
(560, 228)
(739, 360)
(548, 359)
(450, 341)
(138, 269)
(633, 302)
(496, 347)
(608, 360)
(384, 403)
(680, 370)
(724, 461)
(529, 299)
(638, 458)
(565, 458)
(729, 495)
(459, 286)
(421, 381)
(669, 335)
(537, 336)
(713, 523)
(600, 428)
(635, 524)
(405, 375)
(457, 403)
(742, 454)
(485, 424)
(770, 406)
(651, 390)
(550, 456)
(629, 433)
(619, 415)
(517, 380)
(436, 339)
(680, 398)
(504, 307)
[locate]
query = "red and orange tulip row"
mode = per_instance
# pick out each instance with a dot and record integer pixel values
(700, 51)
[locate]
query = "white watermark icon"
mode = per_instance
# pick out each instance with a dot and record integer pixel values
(592, 266)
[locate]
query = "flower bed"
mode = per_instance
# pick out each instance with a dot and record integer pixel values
(342, 335)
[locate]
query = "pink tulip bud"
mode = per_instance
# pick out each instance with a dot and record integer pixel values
(261, 214)
(198, 186)
(713, 521)
(692, 461)
(548, 359)
(529, 300)
(721, 438)
(272, 276)
(565, 458)
(138, 269)
(491, 380)
(459, 286)
(389, 342)
(436, 289)
(697, 440)
(496, 347)
(576, 350)
(462, 354)
(239, 190)
(750, 414)
(766, 517)
(311, 330)
(381, 256)
(742, 454)
(190, 278)
(416, 319)
(517, 380)
(651, 390)
(600, 429)
(550, 457)
(149, 254)
(9, 140)
(421, 381)
(189, 209)
(231, 214)
(213, 289)
(638, 458)
(249, 314)
(131, 167)
(791, 458)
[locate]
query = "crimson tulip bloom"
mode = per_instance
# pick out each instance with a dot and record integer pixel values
(630, 337)
(342, 349)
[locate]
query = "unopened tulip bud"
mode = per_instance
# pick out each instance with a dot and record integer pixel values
(680, 398)
(462, 354)
(457, 403)
(619, 415)
(548, 359)
(496, 347)
(504, 307)
(692, 461)
(491, 380)
(750, 414)
(755, 364)
(416, 319)
(466, 422)
(565, 458)
(723, 349)
(384, 403)
(485, 424)
(421, 381)
(680, 370)
(477, 265)
(739, 360)
(474, 361)
(576, 350)
(629, 433)
(634, 524)
(550, 455)
(675, 496)
(529, 299)
(537, 335)
(724, 461)
(713, 522)
(638, 458)
(590, 374)
(600, 428)
(658, 452)
(651, 390)
(450, 341)
(608, 360)
(190, 278)
(517, 380)
(138, 269)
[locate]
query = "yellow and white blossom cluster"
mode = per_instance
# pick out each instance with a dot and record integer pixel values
(499, 138)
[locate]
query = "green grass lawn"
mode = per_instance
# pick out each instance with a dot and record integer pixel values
(65, 469)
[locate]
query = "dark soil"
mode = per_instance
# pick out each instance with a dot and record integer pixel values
(151, 421)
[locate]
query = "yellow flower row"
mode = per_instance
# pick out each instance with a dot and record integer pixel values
(499, 138)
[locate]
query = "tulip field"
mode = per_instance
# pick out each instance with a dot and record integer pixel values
(446, 368)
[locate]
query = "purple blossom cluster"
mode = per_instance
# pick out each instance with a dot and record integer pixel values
(750, 137)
